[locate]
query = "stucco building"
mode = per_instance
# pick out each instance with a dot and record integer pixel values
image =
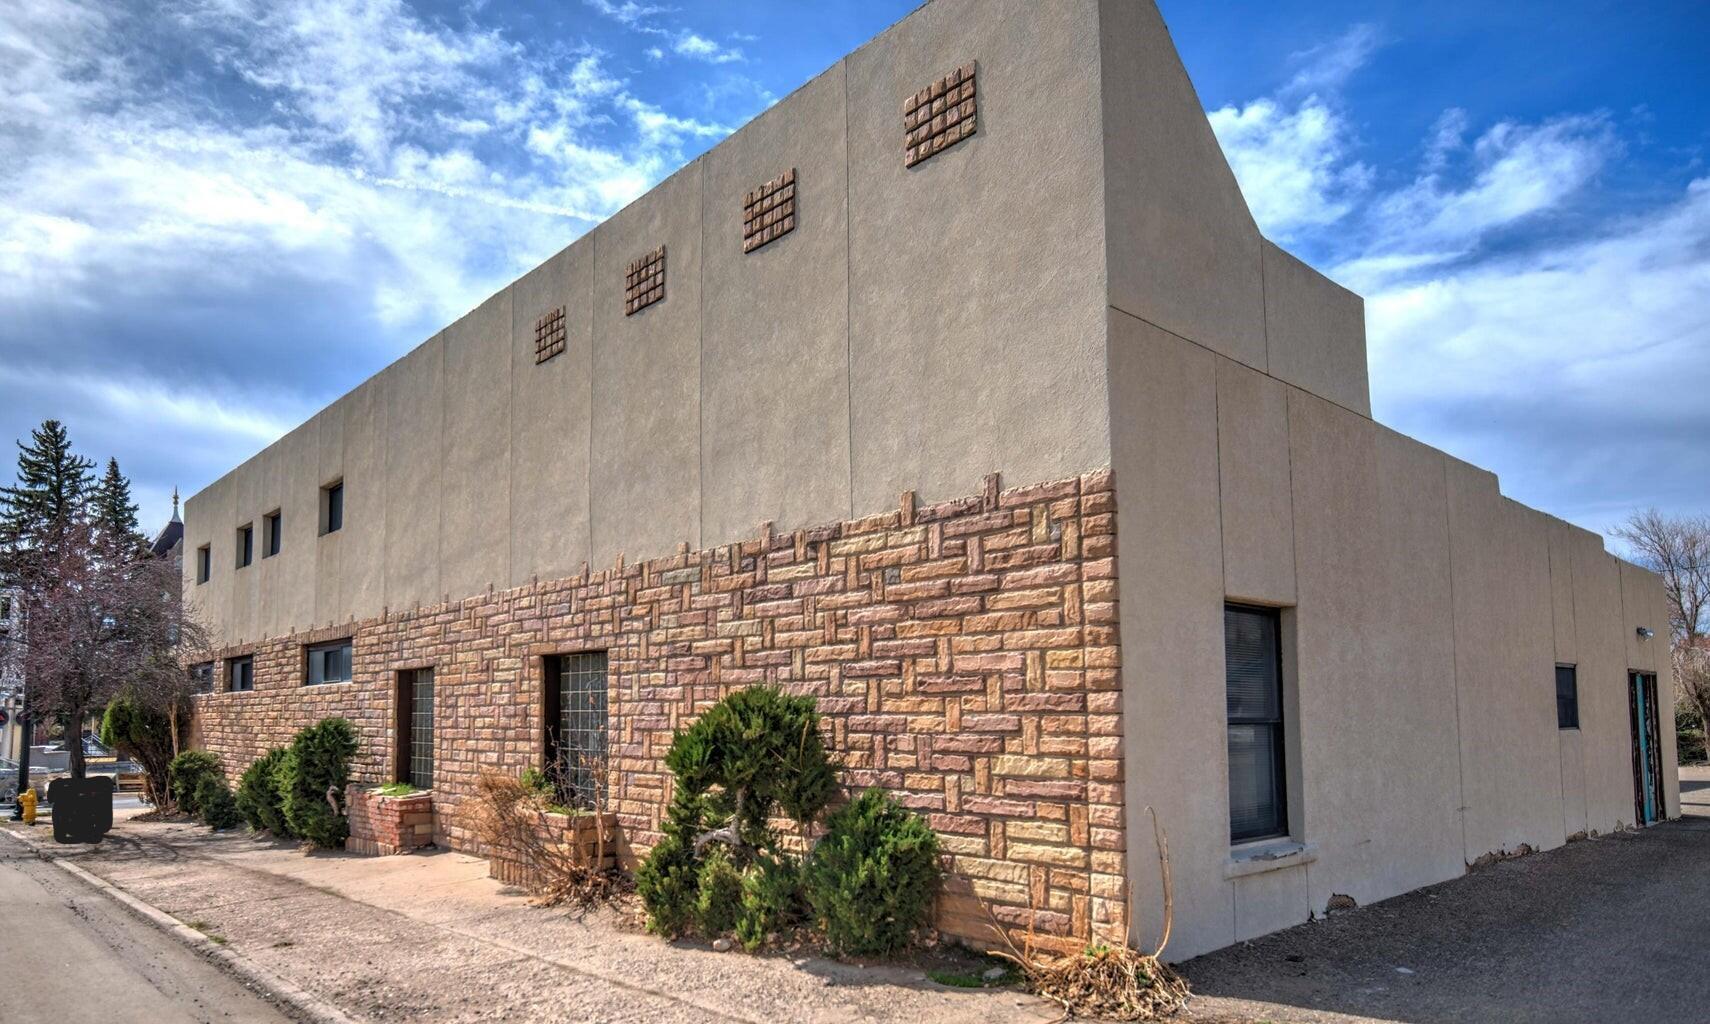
(960, 390)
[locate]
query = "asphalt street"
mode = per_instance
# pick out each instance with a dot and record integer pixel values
(70, 955)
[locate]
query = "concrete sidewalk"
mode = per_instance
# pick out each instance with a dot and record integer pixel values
(431, 937)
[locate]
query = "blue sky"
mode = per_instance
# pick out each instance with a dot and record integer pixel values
(218, 215)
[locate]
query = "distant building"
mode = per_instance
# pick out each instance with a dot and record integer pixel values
(748, 430)
(11, 671)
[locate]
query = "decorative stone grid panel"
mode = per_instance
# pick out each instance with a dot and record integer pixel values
(645, 282)
(964, 656)
(549, 334)
(769, 212)
(940, 115)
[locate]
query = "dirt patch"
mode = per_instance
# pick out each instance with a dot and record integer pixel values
(1521, 940)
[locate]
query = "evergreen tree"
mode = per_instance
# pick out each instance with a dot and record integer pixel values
(51, 495)
(114, 512)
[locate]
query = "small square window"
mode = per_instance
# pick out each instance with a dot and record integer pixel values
(240, 674)
(1567, 697)
(328, 663)
(204, 563)
(202, 677)
(270, 526)
(245, 544)
(332, 507)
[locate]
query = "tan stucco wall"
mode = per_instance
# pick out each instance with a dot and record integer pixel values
(1425, 614)
(1078, 285)
(1183, 252)
(919, 329)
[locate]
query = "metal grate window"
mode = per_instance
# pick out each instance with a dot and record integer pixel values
(579, 750)
(421, 729)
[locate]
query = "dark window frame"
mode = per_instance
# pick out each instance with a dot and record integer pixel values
(577, 726)
(1277, 828)
(332, 506)
(204, 563)
(347, 663)
(271, 524)
(202, 677)
(246, 545)
(246, 662)
(1567, 706)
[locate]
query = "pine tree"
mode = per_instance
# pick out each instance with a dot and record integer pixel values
(51, 495)
(114, 512)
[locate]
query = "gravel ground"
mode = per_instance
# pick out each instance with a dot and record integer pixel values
(430, 938)
(1609, 929)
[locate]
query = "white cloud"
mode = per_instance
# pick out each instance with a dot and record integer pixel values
(1329, 66)
(628, 11)
(1508, 322)
(1519, 171)
(1291, 162)
(699, 47)
(159, 163)
(1291, 152)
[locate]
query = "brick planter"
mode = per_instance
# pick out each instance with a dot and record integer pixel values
(384, 825)
(581, 832)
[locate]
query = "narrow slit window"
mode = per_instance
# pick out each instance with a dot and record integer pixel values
(1252, 652)
(270, 527)
(204, 562)
(332, 507)
(1567, 697)
(245, 545)
(576, 722)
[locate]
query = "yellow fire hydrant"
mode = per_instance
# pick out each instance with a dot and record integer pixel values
(28, 800)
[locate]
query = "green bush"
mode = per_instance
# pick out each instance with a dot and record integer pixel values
(258, 798)
(872, 879)
(215, 805)
(667, 880)
(771, 900)
(753, 753)
(146, 735)
(186, 773)
(718, 899)
(315, 765)
(762, 749)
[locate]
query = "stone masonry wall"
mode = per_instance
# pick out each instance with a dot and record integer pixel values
(964, 655)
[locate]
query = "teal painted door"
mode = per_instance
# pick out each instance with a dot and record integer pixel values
(1647, 754)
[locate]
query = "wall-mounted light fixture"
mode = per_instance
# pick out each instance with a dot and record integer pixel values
(1644, 633)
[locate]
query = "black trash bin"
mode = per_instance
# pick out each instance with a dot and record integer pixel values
(82, 808)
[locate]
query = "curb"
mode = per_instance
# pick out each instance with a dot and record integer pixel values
(298, 1000)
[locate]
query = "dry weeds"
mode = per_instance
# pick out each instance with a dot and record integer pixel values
(1113, 982)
